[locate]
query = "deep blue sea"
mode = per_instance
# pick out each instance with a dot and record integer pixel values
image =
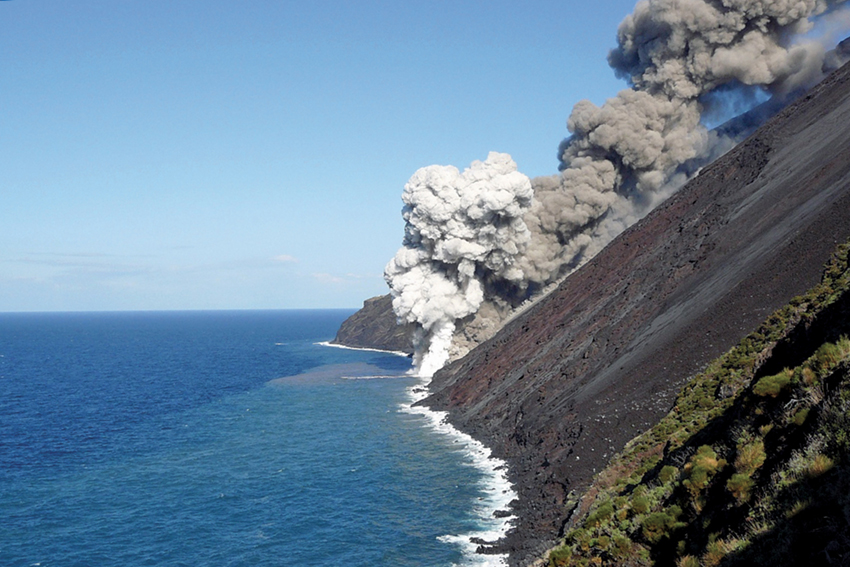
(223, 439)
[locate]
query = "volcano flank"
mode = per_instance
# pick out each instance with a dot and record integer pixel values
(564, 386)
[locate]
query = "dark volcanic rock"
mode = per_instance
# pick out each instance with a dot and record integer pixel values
(375, 326)
(565, 385)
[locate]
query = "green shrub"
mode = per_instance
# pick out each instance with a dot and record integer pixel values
(701, 468)
(658, 525)
(819, 465)
(750, 456)
(640, 505)
(826, 357)
(773, 385)
(800, 417)
(715, 552)
(829, 355)
(580, 537)
(668, 473)
(622, 547)
(601, 515)
(808, 375)
(603, 542)
(739, 485)
(560, 557)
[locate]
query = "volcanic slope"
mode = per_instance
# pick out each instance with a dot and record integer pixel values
(564, 386)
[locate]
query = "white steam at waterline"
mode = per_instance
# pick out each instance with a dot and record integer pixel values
(462, 230)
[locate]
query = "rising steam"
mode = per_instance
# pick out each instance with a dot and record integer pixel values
(477, 240)
(462, 230)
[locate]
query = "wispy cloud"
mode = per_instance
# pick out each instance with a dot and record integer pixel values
(83, 262)
(115, 263)
(73, 254)
(328, 278)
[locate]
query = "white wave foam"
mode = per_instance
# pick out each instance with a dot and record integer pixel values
(497, 489)
(395, 352)
(374, 377)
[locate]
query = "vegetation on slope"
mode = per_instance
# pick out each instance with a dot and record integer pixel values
(750, 466)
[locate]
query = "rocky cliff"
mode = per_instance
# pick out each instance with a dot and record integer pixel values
(375, 326)
(564, 386)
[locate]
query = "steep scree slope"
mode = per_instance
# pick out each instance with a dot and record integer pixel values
(751, 466)
(568, 383)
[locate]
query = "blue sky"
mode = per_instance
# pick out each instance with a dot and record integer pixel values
(251, 155)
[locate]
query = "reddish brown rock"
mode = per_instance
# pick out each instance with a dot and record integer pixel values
(568, 383)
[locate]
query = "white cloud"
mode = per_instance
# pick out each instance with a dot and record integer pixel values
(285, 258)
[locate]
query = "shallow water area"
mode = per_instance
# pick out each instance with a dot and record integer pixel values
(219, 439)
(331, 373)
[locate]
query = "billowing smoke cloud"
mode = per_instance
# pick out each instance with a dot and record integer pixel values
(462, 231)
(683, 49)
(681, 58)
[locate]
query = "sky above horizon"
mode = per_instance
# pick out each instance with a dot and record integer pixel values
(252, 155)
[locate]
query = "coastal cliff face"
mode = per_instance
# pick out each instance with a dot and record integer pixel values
(375, 326)
(564, 386)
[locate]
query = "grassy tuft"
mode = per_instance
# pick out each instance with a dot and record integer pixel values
(773, 385)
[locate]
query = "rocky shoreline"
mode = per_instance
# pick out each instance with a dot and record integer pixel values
(564, 386)
(375, 326)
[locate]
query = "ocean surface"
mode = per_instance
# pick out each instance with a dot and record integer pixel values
(226, 439)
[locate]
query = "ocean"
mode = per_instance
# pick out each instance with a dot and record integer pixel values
(227, 439)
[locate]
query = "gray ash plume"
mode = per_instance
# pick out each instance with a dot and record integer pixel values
(683, 60)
